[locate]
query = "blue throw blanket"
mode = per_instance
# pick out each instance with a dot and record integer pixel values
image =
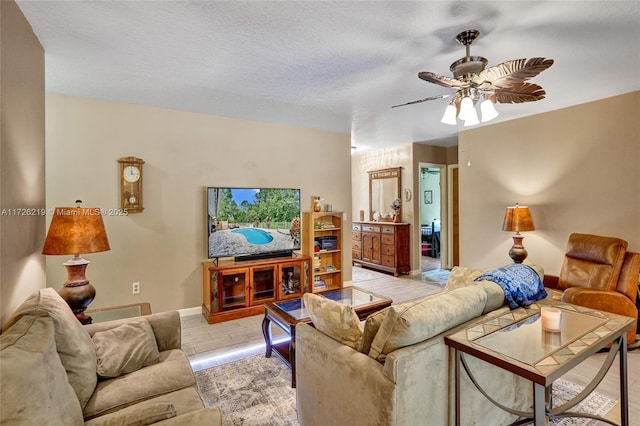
(521, 284)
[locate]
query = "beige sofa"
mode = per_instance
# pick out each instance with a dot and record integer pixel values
(402, 373)
(50, 366)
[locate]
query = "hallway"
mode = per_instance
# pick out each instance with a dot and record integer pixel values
(429, 263)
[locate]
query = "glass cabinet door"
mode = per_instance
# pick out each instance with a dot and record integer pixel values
(234, 289)
(291, 280)
(263, 288)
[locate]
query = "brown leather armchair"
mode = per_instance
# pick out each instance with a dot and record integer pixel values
(598, 272)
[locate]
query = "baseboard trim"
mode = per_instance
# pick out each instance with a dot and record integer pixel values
(190, 311)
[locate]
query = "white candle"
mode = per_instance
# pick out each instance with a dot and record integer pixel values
(550, 318)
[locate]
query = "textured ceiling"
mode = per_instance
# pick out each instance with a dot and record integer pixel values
(335, 66)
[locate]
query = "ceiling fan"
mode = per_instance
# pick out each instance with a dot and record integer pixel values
(502, 83)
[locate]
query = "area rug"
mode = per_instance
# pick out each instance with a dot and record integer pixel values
(257, 391)
(436, 276)
(250, 391)
(595, 403)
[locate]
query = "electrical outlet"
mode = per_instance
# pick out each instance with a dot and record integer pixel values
(135, 288)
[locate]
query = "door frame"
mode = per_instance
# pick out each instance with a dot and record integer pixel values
(452, 205)
(444, 208)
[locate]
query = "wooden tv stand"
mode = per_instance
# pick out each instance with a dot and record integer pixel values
(234, 290)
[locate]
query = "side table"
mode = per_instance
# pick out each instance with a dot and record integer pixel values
(542, 356)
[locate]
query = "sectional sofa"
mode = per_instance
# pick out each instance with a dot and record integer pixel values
(401, 371)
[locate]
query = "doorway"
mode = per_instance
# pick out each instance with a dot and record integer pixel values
(433, 204)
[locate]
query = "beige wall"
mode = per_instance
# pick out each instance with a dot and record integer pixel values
(163, 247)
(408, 157)
(21, 158)
(452, 154)
(399, 156)
(577, 168)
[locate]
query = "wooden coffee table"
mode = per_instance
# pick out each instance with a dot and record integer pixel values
(286, 314)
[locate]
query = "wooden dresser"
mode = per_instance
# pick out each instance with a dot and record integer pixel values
(382, 245)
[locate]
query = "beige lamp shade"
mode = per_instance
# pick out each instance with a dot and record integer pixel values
(517, 219)
(76, 230)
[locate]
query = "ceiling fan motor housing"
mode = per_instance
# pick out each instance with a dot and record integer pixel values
(467, 67)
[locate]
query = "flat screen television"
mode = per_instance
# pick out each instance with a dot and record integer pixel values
(252, 223)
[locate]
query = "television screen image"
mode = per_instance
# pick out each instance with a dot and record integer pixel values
(252, 222)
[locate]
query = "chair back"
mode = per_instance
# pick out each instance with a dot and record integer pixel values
(629, 275)
(592, 261)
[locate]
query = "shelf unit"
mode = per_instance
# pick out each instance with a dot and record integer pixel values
(326, 264)
(234, 290)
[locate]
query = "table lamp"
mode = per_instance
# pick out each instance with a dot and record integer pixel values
(76, 230)
(517, 218)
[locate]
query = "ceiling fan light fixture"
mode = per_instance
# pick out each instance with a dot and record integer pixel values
(488, 111)
(472, 119)
(449, 116)
(466, 109)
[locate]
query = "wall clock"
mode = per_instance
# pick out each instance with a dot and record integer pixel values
(131, 184)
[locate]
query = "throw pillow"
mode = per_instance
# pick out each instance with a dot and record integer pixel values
(336, 320)
(461, 276)
(34, 384)
(126, 348)
(73, 343)
(371, 327)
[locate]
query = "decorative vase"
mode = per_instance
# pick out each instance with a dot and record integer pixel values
(315, 202)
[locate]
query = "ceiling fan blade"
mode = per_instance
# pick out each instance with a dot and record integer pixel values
(441, 80)
(431, 98)
(510, 73)
(520, 93)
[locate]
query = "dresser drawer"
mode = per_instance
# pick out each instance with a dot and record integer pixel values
(371, 228)
(356, 245)
(389, 261)
(387, 239)
(356, 254)
(388, 250)
(356, 236)
(356, 227)
(388, 229)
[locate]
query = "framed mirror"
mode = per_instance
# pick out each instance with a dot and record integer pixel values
(384, 188)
